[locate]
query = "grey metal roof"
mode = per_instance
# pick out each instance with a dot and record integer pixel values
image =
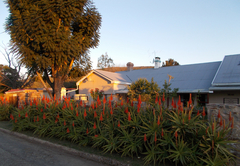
(113, 76)
(228, 73)
(188, 78)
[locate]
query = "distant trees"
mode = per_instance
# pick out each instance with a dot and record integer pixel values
(104, 61)
(170, 62)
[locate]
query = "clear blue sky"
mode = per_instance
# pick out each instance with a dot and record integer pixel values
(189, 31)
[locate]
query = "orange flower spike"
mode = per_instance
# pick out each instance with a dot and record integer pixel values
(104, 99)
(219, 115)
(218, 134)
(131, 103)
(26, 115)
(101, 118)
(44, 116)
(230, 116)
(68, 131)
(37, 119)
(176, 134)
(156, 100)
(122, 103)
(138, 109)
(155, 138)
(159, 101)
(81, 103)
(87, 131)
(126, 110)
(189, 115)
(98, 100)
(103, 111)
(179, 101)
(96, 105)
(221, 122)
(158, 122)
(58, 115)
(232, 125)
(198, 113)
(19, 115)
(203, 113)
(95, 114)
(190, 99)
(163, 97)
(73, 124)
(94, 126)
(111, 112)
(77, 114)
(16, 120)
(207, 130)
(111, 97)
(119, 124)
(54, 98)
(129, 116)
(96, 135)
(162, 134)
(85, 113)
(145, 138)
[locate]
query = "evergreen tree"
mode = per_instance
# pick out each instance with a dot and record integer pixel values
(50, 36)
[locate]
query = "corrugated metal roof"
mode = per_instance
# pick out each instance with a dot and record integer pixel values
(228, 72)
(188, 78)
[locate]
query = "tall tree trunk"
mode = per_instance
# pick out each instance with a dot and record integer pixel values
(57, 86)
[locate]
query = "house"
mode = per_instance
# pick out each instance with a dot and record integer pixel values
(212, 82)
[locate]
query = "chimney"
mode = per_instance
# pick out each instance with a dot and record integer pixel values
(129, 66)
(157, 62)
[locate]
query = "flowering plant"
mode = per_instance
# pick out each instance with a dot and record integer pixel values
(95, 93)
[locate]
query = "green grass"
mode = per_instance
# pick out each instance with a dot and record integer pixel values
(127, 160)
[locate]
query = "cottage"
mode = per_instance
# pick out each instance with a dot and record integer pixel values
(212, 82)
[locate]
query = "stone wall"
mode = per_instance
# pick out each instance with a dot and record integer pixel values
(212, 110)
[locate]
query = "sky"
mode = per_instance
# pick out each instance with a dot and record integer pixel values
(188, 31)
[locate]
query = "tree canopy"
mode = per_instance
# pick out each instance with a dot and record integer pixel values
(170, 62)
(53, 36)
(104, 61)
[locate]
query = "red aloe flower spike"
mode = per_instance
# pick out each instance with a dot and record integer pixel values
(30, 102)
(179, 101)
(37, 118)
(119, 124)
(80, 103)
(122, 103)
(101, 118)
(138, 109)
(139, 100)
(162, 134)
(19, 115)
(126, 110)
(92, 105)
(85, 113)
(104, 99)
(163, 97)
(145, 138)
(54, 98)
(87, 131)
(230, 116)
(11, 116)
(77, 114)
(158, 122)
(56, 120)
(94, 126)
(218, 134)
(221, 122)
(96, 105)
(85, 105)
(159, 101)
(111, 112)
(26, 115)
(219, 115)
(98, 100)
(129, 116)
(64, 106)
(71, 107)
(16, 120)
(189, 115)
(207, 130)
(111, 97)
(175, 106)
(176, 134)
(224, 124)
(95, 114)
(96, 135)
(45, 107)
(73, 124)
(64, 123)
(44, 116)
(190, 99)
(198, 113)
(58, 115)
(68, 131)
(172, 102)
(232, 125)
(156, 100)
(155, 138)
(203, 113)
(43, 99)
(131, 103)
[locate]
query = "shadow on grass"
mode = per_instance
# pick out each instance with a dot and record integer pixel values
(127, 160)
